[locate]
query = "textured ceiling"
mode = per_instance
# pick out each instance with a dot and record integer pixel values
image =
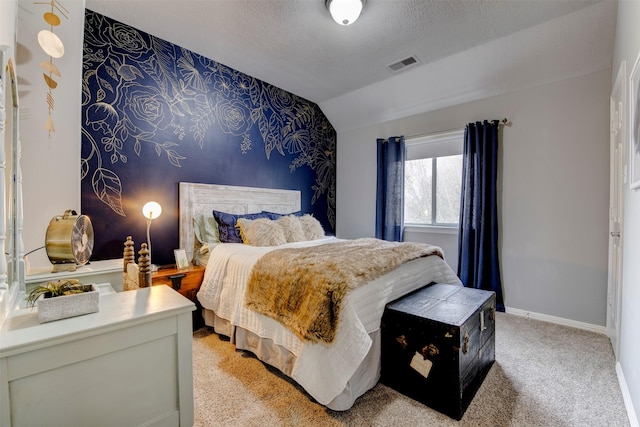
(295, 45)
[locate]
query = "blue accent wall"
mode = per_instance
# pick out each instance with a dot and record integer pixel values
(155, 114)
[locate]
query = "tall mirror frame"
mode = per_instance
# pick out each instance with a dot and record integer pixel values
(12, 265)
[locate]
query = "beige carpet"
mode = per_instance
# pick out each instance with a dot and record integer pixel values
(544, 375)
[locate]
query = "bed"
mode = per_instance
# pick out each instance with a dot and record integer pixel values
(335, 374)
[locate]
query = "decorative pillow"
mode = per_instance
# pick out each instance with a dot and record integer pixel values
(227, 231)
(205, 228)
(275, 215)
(312, 228)
(261, 232)
(292, 229)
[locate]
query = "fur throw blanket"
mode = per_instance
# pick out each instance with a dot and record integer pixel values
(303, 288)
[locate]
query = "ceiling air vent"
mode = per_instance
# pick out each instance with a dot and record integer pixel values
(402, 64)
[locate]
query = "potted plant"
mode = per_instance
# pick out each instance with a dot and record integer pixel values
(63, 298)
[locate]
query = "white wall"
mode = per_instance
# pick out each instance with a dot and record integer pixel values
(50, 166)
(627, 48)
(446, 239)
(8, 12)
(554, 174)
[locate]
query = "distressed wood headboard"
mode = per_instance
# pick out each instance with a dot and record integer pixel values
(196, 199)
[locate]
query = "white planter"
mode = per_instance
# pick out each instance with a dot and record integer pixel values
(61, 307)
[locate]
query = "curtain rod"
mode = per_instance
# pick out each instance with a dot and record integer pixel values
(503, 122)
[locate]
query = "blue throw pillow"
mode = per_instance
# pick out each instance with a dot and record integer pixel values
(227, 225)
(274, 215)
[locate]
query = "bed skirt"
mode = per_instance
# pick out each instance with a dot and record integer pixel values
(364, 378)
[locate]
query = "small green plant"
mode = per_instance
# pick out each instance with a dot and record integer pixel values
(56, 289)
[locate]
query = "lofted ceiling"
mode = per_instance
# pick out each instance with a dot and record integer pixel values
(295, 45)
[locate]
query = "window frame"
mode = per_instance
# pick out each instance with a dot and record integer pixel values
(440, 146)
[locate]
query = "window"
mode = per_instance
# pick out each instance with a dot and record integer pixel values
(433, 179)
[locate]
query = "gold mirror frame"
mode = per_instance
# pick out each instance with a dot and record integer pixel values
(12, 267)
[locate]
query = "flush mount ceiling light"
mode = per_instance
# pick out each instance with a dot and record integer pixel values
(345, 12)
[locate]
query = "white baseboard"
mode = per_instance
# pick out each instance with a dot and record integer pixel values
(558, 320)
(631, 413)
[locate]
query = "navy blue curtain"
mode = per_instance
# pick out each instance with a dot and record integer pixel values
(390, 189)
(478, 260)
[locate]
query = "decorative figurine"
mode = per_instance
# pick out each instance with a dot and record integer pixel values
(129, 282)
(129, 253)
(144, 264)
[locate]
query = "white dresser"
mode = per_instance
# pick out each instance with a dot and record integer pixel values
(129, 364)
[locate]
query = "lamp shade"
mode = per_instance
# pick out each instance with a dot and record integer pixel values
(345, 12)
(151, 210)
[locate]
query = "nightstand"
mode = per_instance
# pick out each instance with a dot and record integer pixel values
(186, 281)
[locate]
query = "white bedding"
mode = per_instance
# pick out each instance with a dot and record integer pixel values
(323, 370)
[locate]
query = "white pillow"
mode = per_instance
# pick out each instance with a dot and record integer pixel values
(261, 232)
(205, 228)
(312, 228)
(292, 228)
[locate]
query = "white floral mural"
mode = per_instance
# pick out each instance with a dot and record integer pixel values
(155, 114)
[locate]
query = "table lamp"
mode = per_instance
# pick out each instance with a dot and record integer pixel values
(151, 211)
